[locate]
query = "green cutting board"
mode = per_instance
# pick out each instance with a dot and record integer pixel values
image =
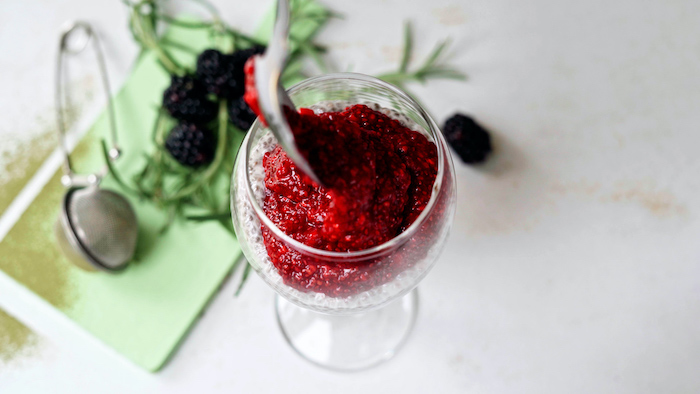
(145, 311)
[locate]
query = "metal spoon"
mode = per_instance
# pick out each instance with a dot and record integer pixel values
(272, 98)
(96, 226)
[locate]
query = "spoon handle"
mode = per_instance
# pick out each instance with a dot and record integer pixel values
(272, 97)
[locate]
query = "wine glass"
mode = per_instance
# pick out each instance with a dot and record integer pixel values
(361, 322)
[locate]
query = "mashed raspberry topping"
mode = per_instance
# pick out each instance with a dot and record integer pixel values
(377, 178)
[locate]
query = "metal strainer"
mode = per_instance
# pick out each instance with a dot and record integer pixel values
(97, 228)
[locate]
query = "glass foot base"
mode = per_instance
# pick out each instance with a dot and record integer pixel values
(348, 342)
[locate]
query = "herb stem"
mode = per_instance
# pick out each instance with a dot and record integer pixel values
(143, 29)
(178, 45)
(244, 278)
(113, 171)
(430, 69)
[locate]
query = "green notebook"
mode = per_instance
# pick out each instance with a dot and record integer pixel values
(146, 310)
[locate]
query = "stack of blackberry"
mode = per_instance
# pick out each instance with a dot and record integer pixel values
(192, 101)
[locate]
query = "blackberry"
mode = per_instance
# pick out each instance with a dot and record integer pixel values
(221, 74)
(239, 58)
(186, 100)
(191, 145)
(242, 55)
(240, 114)
(471, 142)
(218, 74)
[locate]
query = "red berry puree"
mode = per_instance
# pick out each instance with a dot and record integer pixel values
(377, 178)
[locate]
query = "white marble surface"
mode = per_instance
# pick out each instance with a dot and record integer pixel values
(574, 263)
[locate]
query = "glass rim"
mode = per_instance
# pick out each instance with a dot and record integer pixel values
(377, 249)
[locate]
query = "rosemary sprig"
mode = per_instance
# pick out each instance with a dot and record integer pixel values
(432, 68)
(208, 217)
(113, 171)
(143, 23)
(244, 278)
(164, 181)
(178, 45)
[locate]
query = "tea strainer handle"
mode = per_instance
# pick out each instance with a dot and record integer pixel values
(73, 40)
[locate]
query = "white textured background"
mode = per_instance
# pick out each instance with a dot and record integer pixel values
(574, 263)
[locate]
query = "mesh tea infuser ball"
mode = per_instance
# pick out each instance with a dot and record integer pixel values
(97, 228)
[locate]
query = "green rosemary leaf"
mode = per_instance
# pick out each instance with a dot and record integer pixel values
(173, 167)
(237, 262)
(199, 199)
(141, 54)
(293, 79)
(315, 54)
(178, 45)
(407, 47)
(444, 73)
(228, 226)
(158, 125)
(431, 68)
(210, 196)
(143, 23)
(171, 187)
(294, 66)
(138, 178)
(395, 78)
(184, 24)
(226, 222)
(113, 171)
(435, 55)
(237, 35)
(244, 278)
(152, 14)
(172, 213)
(163, 67)
(208, 217)
(143, 193)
